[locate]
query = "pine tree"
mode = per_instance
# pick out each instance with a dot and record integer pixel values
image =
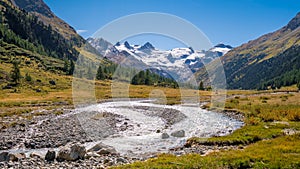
(72, 68)
(148, 78)
(28, 77)
(66, 66)
(15, 73)
(201, 86)
(100, 75)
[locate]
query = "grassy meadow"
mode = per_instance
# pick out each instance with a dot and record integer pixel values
(263, 142)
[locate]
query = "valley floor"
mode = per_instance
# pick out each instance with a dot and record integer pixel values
(270, 138)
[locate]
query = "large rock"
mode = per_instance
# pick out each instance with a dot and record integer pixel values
(16, 157)
(71, 152)
(108, 150)
(97, 147)
(103, 149)
(4, 156)
(50, 155)
(179, 133)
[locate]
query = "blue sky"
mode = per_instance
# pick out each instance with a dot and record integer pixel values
(232, 22)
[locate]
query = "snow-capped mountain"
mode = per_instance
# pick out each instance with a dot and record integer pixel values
(178, 62)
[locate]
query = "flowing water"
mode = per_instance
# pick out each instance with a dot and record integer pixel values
(146, 134)
(140, 124)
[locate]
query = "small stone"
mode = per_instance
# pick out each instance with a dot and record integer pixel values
(52, 82)
(179, 133)
(121, 160)
(165, 135)
(35, 155)
(91, 155)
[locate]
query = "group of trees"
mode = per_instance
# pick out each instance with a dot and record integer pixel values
(276, 72)
(283, 70)
(26, 31)
(106, 71)
(134, 76)
(69, 67)
(148, 78)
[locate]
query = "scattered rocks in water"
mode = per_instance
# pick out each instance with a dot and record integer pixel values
(179, 133)
(50, 155)
(165, 136)
(71, 152)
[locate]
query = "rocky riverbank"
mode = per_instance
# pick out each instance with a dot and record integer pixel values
(30, 142)
(69, 156)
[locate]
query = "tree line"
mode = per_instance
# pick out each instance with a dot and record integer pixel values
(27, 31)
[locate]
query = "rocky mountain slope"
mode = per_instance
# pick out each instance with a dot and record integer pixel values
(44, 13)
(272, 60)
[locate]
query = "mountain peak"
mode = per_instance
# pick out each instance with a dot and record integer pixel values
(294, 23)
(37, 6)
(147, 45)
(127, 45)
(221, 45)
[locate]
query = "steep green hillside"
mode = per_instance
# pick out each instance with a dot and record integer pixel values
(44, 13)
(26, 31)
(41, 53)
(269, 61)
(282, 70)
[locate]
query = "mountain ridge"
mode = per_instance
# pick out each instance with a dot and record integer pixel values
(173, 61)
(40, 9)
(241, 64)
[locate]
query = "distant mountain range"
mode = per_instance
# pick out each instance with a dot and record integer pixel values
(271, 61)
(178, 62)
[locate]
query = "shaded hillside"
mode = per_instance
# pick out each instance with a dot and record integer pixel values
(269, 61)
(26, 31)
(44, 13)
(40, 52)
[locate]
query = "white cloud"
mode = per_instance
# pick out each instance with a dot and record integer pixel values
(81, 31)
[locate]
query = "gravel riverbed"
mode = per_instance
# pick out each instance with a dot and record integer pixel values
(51, 131)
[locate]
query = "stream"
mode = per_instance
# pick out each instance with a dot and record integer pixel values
(134, 127)
(147, 122)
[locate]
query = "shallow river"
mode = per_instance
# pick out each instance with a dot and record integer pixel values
(135, 127)
(145, 133)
